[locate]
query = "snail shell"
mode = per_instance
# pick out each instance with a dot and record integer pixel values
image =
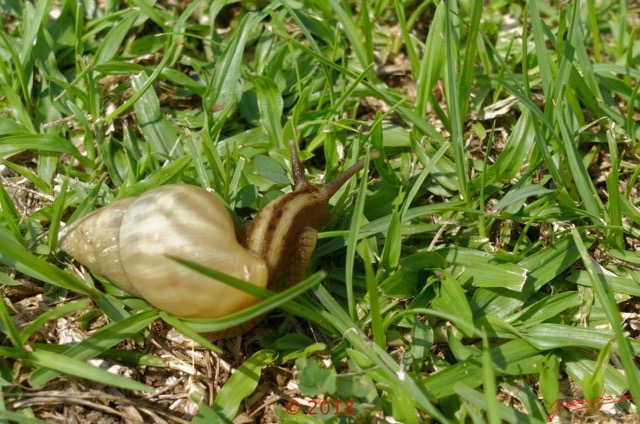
(129, 240)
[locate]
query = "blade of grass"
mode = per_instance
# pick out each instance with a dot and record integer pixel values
(10, 214)
(595, 30)
(167, 57)
(614, 283)
(355, 39)
(270, 107)
(373, 296)
(544, 309)
(272, 300)
(542, 54)
(514, 155)
(593, 384)
(577, 365)
(242, 383)
(412, 51)
(16, 257)
(455, 109)
(386, 366)
(57, 209)
(451, 300)
(60, 311)
(549, 379)
(17, 143)
(154, 125)
(66, 365)
(428, 166)
(8, 327)
(605, 297)
(367, 33)
(222, 89)
(114, 38)
(469, 61)
(132, 357)
(105, 338)
(482, 269)
(28, 174)
(501, 412)
(547, 336)
(418, 121)
(20, 418)
(615, 234)
(356, 223)
(511, 357)
(579, 173)
(543, 267)
(433, 60)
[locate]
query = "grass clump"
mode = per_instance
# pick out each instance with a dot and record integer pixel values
(485, 269)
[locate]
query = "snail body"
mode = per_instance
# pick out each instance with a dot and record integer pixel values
(129, 240)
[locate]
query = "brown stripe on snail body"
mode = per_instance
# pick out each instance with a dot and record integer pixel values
(129, 240)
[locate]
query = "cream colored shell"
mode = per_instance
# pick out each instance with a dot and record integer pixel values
(128, 241)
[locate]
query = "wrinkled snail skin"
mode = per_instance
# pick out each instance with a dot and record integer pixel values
(284, 232)
(129, 240)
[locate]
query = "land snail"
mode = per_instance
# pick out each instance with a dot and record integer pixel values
(129, 242)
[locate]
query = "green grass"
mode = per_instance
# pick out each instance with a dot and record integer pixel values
(490, 252)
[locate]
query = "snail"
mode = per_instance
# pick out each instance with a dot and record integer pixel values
(129, 240)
